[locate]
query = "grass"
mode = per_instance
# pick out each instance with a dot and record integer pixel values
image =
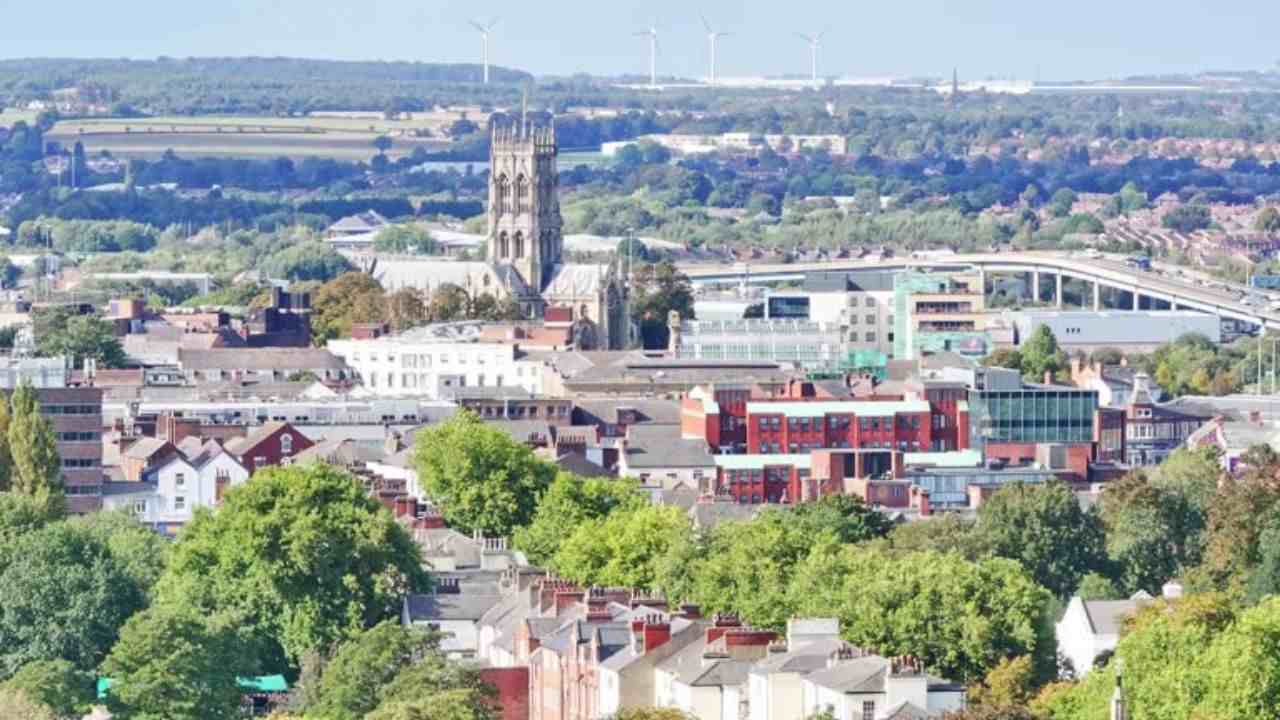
(9, 116)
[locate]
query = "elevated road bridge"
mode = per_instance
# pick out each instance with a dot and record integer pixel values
(1158, 286)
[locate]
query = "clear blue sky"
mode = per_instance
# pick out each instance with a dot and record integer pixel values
(1076, 39)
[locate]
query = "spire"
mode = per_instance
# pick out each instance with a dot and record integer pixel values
(524, 112)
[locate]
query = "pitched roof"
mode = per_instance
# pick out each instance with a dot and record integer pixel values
(260, 359)
(147, 448)
(462, 606)
(572, 279)
(242, 445)
(1106, 617)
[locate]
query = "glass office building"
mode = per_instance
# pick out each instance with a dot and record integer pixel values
(1033, 414)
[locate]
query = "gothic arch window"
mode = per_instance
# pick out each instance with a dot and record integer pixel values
(519, 245)
(522, 194)
(504, 246)
(502, 197)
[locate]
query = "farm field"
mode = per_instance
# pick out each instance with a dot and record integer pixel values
(9, 116)
(338, 138)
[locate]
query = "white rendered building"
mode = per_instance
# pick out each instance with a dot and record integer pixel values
(429, 361)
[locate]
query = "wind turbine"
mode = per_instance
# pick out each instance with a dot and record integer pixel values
(652, 34)
(712, 37)
(815, 42)
(484, 29)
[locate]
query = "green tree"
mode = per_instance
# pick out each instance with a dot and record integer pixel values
(1043, 527)
(1004, 358)
(6, 456)
(352, 297)
(450, 302)
(37, 468)
(623, 549)
(84, 337)
(1061, 203)
(1010, 684)
(1268, 220)
(352, 683)
(172, 664)
(435, 687)
(657, 291)
(481, 477)
(66, 690)
(1141, 534)
(21, 515)
(414, 239)
(1041, 354)
(959, 617)
(1187, 218)
(301, 556)
(18, 705)
(63, 595)
(567, 503)
(746, 566)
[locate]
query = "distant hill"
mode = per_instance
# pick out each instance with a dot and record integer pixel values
(248, 85)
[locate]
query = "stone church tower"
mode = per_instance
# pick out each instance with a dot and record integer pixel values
(524, 209)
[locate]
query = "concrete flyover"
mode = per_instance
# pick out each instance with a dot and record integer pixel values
(1101, 272)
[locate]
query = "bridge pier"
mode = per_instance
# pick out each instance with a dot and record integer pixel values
(1136, 304)
(1057, 293)
(1035, 287)
(1097, 296)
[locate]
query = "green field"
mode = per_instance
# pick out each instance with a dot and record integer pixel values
(343, 138)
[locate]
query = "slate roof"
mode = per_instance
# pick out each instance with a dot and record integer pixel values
(260, 359)
(605, 411)
(1106, 617)
(689, 667)
(660, 446)
(571, 280)
(462, 606)
(805, 659)
(241, 445)
(145, 448)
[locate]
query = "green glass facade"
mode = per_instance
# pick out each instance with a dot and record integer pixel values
(1031, 415)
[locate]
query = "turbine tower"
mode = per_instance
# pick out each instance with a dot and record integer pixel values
(815, 42)
(712, 37)
(484, 29)
(652, 34)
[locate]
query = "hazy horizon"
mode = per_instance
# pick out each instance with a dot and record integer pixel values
(1097, 40)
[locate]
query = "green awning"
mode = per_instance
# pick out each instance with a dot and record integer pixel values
(266, 684)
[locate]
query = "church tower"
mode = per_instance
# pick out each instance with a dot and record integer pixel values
(524, 207)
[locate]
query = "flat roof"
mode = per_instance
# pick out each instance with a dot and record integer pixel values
(954, 459)
(818, 409)
(759, 462)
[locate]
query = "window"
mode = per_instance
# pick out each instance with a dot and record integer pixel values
(259, 461)
(180, 502)
(868, 710)
(286, 444)
(869, 302)
(871, 319)
(180, 480)
(870, 337)
(140, 507)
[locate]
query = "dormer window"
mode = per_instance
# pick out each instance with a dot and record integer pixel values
(286, 444)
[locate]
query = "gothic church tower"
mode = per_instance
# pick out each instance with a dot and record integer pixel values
(524, 209)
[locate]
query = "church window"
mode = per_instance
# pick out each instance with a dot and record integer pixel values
(501, 193)
(522, 194)
(504, 246)
(519, 244)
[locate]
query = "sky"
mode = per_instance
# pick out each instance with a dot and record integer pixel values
(1022, 39)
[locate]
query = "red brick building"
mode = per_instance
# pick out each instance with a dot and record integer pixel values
(272, 444)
